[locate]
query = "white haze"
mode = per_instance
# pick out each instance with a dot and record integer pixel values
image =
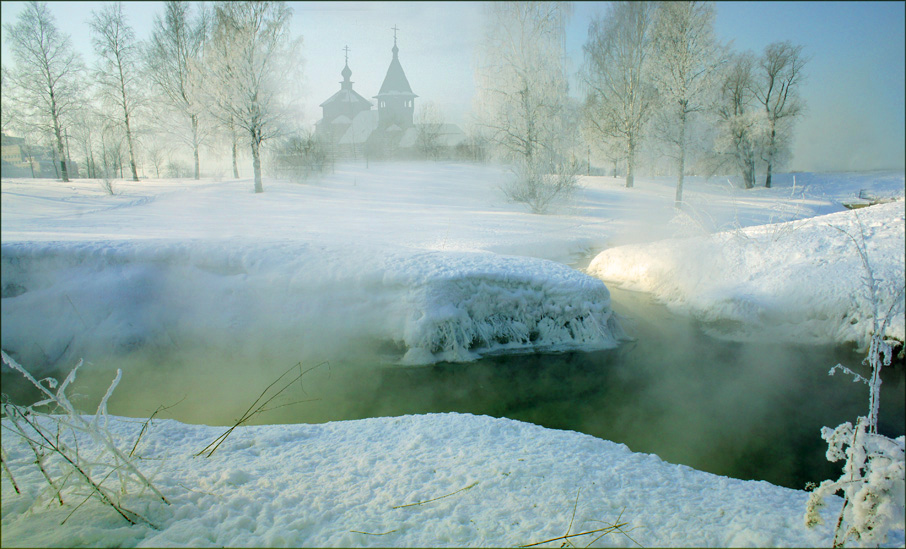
(855, 89)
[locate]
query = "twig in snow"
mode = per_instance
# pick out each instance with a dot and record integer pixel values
(8, 472)
(147, 421)
(435, 499)
(370, 534)
(253, 410)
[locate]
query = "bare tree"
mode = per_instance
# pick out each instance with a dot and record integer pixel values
(740, 126)
(47, 73)
(620, 96)
(173, 61)
(429, 123)
(117, 74)
(776, 88)
(522, 98)
(687, 58)
(252, 68)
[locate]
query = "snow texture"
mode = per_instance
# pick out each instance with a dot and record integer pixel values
(343, 484)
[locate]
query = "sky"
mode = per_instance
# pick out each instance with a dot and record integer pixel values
(854, 91)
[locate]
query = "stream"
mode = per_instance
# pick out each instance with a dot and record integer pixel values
(743, 410)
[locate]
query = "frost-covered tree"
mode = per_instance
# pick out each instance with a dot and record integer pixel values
(47, 74)
(620, 96)
(117, 74)
(741, 125)
(429, 123)
(776, 88)
(522, 101)
(173, 60)
(251, 71)
(687, 59)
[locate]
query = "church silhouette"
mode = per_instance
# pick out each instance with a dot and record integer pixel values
(352, 129)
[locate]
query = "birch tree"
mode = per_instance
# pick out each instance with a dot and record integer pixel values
(117, 75)
(252, 68)
(687, 58)
(47, 74)
(173, 60)
(776, 88)
(522, 99)
(620, 97)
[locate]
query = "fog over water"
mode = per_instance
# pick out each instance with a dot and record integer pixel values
(745, 410)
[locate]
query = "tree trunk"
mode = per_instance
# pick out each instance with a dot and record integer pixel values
(682, 161)
(235, 163)
(195, 145)
(131, 150)
(767, 181)
(256, 162)
(61, 152)
(630, 166)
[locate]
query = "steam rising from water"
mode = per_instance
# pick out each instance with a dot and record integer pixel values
(746, 410)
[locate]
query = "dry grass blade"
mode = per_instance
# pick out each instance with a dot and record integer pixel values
(617, 526)
(147, 421)
(435, 499)
(8, 472)
(256, 408)
(372, 534)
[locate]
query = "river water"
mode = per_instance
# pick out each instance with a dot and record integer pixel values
(744, 410)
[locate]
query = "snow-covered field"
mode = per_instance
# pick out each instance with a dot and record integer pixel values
(415, 263)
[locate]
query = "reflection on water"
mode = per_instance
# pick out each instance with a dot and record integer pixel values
(745, 410)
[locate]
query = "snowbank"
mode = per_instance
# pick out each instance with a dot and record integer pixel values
(67, 300)
(344, 484)
(795, 281)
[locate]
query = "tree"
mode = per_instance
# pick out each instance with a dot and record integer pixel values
(740, 125)
(687, 58)
(429, 124)
(251, 68)
(522, 98)
(47, 73)
(620, 97)
(780, 73)
(117, 75)
(173, 60)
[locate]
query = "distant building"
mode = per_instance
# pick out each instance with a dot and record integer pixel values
(354, 130)
(19, 159)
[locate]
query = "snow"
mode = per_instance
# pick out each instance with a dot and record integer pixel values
(322, 485)
(795, 281)
(415, 263)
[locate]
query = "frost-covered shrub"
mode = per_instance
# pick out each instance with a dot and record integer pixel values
(872, 482)
(539, 183)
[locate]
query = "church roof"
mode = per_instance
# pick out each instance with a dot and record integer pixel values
(395, 82)
(346, 96)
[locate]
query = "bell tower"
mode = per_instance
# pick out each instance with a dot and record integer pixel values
(395, 101)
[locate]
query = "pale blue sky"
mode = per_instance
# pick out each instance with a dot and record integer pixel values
(855, 88)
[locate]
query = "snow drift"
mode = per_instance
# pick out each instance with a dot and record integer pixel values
(289, 301)
(795, 281)
(351, 483)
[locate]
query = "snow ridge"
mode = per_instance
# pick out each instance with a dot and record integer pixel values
(290, 301)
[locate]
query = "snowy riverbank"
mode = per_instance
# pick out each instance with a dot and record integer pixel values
(343, 484)
(415, 263)
(800, 281)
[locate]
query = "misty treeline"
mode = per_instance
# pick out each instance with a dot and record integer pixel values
(659, 95)
(656, 84)
(220, 76)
